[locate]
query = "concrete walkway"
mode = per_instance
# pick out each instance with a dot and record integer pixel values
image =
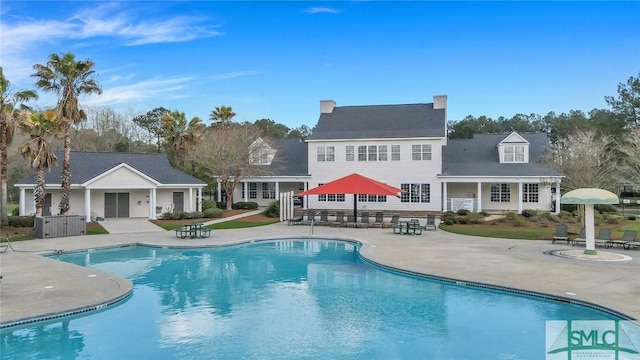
(34, 286)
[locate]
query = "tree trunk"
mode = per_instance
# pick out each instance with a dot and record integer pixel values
(65, 186)
(39, 192)
(4, 219)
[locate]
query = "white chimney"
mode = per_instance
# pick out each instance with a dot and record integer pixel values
(326, 106)
(440, 102)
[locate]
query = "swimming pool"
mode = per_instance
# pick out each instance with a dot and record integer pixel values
(288, 299)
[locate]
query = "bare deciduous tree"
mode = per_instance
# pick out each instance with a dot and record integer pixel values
(230, 155)
(631, 163)
(588, 159)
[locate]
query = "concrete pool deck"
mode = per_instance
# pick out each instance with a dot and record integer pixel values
(34, 286)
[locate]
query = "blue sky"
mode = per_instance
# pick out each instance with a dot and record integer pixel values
(277, 60)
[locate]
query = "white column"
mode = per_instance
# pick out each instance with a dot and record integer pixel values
(520, 197)
(277, 189)
(150, 208)
(199, 199)
(219, 189)
(87, 205)
(479, 196)
(22, 202)
(245, 195)
(557, 197)
(190, 199)
(589, 230)
(153, 203)
(444, 196)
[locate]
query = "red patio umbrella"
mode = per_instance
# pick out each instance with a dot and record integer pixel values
(354, 184)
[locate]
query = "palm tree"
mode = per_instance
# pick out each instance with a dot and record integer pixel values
(182, 136)
(69, 79)
(37, 149)
(8, 104)
(222, 116)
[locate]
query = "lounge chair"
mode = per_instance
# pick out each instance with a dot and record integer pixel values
(431, 223)
(339, 220)
(604, 236)
(582, 238)
(364, 219)
(393, 222)
(562, 233)
(631, 244)
(311, 217)
(296, 220)
(379, 222)
(351, 221)
(627, 237)
(324, 218)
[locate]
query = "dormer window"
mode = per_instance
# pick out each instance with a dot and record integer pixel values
(260, 153)
(514, 153)
(514, 149)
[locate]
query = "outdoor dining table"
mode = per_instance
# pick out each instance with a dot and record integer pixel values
(408, 227)
(193, 230)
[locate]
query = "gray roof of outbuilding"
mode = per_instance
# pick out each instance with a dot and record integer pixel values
(479, 157)
(381, 122)
(290, 159)
(87, 165)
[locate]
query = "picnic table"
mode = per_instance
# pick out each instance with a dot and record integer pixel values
(193, 230)
(408, 227)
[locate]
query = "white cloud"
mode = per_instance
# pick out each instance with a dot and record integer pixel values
(21, 36)
(234, 74)
(320, 10)
(140, 92)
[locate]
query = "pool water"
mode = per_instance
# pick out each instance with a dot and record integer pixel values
(287, 300)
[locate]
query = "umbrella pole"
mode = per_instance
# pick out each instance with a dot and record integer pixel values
(355, 209)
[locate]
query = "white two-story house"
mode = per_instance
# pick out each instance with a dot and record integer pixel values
(406, 146)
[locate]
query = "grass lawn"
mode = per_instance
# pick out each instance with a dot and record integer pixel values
(526, 228)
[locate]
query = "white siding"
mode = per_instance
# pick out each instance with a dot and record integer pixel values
(118, 178)
(393, 173)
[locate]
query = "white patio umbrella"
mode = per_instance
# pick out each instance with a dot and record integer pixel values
(589, 197)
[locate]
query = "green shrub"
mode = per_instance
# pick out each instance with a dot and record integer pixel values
(15, 212)
(169, 216)
(475, 218)
(448, 213)
(518, 221)
(631, 217)
(245, 205)
(613, 219)
(273, 210)
(528, 213)
(208, 204)
(484, 213)
(197, 215)
(462, 212)
(221, 205)
(597, 218)
(449, 221)
(606, 208)
(463, 220)
(21, 221)
(564, 214)
(511, 215)
(213, 213)
(183, 215)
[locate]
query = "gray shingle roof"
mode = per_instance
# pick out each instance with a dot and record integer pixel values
(290, 158)
(380, 121)
(87, 165)
(479, 157)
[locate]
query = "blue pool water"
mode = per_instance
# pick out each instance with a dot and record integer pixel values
(287, 300)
